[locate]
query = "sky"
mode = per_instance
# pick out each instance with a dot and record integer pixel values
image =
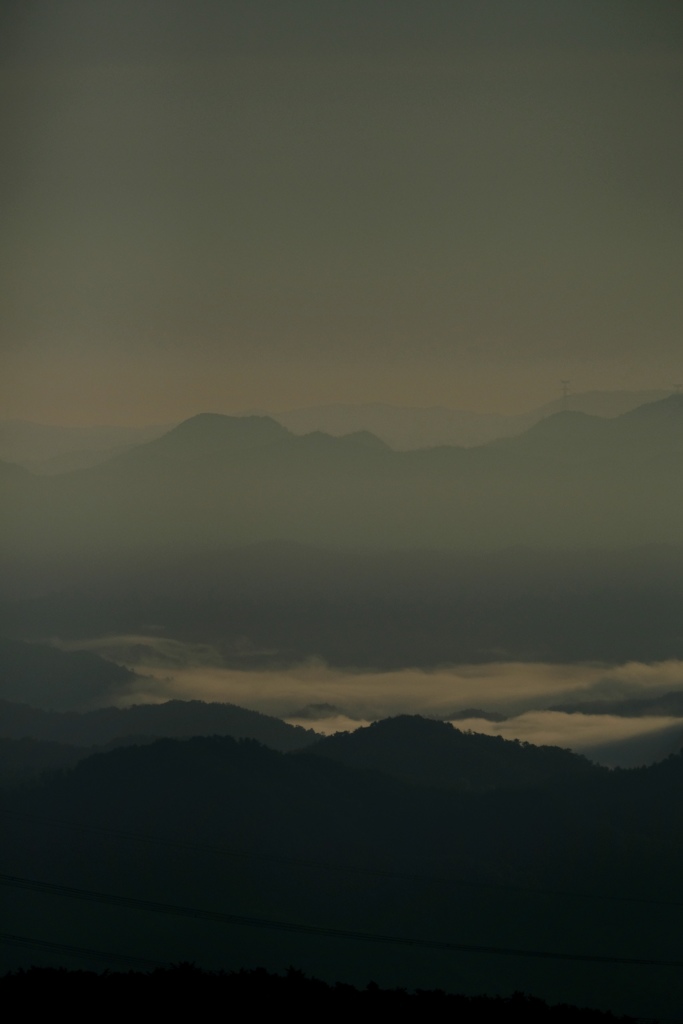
(228, 206)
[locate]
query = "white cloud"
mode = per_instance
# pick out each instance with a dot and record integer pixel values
(176, 670)
(579, 732)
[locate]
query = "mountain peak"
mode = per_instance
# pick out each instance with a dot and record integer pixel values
(435, 753)
(214, 431)
(210, 424)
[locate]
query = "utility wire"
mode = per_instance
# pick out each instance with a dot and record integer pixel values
(81, 951)
(316, 930)
(329, 866)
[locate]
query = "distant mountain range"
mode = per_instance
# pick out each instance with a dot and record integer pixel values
(406, 428)
(216, 482)
(50, 450)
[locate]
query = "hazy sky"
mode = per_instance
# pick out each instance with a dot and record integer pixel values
(225, 205)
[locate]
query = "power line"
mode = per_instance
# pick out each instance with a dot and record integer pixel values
(330, 866)
(242, 920)
(80, 951)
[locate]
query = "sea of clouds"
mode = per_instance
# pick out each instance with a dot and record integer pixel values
(328, 699)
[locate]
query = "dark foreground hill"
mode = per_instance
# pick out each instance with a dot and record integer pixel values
(408, 747)
(183, 988)
(433, 753)
(177, 718)
(586, 868)
(26, 758)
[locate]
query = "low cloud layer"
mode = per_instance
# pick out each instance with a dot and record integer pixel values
(607, 739)
(561, 730)
(192, 671)
(523, 692)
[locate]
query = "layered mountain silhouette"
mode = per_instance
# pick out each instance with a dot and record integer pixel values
(176, 718)
(52, 449)
(234, 827)
(407, 747)
(407, 428)
(215, 482)
(34, 741)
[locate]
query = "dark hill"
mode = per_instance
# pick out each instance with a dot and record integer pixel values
(173, 718)
(235, 827)
(22, 759)
(183, 987)
(434, 753)
(216, 785)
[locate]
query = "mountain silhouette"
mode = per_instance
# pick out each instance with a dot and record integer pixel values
(432, 753)
(216, 482)
(51, 449)
(407, 428)
(177, 718)
(230, 825)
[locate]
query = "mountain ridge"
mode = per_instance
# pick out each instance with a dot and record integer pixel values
(424, 751)
(172, 719)
(215, 481)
